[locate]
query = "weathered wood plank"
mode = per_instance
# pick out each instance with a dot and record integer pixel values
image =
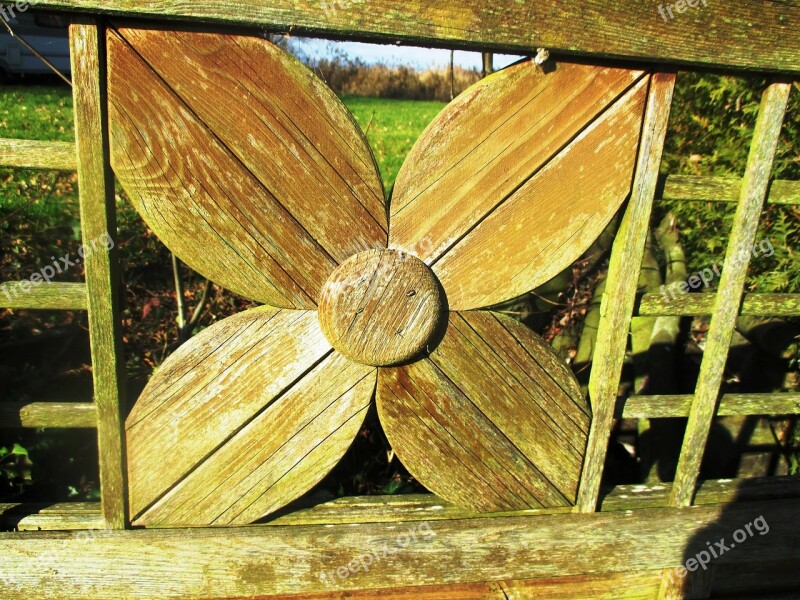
(206, 563)
(63, 516)
(757, 35)
(756, 305)
(48, 414)
(98, 218)
(657, 407)
(745, 226)
(420, 507)
(494, 166)
(43, 296)
(491, 420)
(618, 301)
(694, 188)
(32, 154)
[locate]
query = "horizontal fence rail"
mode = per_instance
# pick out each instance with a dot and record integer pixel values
(654, 407)
(756, 35)
(57, 415)
(32, 154)
(674, 302)
(43, 296)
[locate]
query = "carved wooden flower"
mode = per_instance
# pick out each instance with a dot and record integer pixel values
(253, 172)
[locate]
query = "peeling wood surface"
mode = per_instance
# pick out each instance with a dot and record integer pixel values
(518, 151)
(241, 160)
(242, 420)
(492, 420)
(758, 35)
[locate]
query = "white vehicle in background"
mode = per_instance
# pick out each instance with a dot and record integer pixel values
(47, 33)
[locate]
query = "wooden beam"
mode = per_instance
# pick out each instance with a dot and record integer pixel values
(694, 188)
(96, 184)
(43, 296)
(758, 35)
(618, 301)
(60, 415)
(729, 296)
(756, 305)
(30, 154)
(416, 507)
(254, 561)
(659, 407)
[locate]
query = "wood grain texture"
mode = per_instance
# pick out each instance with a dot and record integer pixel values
(242, 420)
(59, 415)
(731, 287)
(724, 189)
(757, 305)
(404, 508)
(98, 218)
(758, 36)
(618, 301)
(652, 407)
(32, 154)
(381, 307)
(212, 189)
(42, 296)
(284, 124)
(492, 420)
(256, 561)
(519, 152)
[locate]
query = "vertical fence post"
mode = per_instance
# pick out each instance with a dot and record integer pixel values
(96, 188)
(618, 301)
(755, 186)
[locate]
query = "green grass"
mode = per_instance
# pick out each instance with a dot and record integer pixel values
(395, 127)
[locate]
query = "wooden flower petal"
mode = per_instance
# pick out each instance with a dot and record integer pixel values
(516, 178)
(492, 421)
(242, 420)
(241, 161)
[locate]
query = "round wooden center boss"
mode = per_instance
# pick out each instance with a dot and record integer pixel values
(381, 307)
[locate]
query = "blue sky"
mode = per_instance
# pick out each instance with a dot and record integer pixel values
(420, 58)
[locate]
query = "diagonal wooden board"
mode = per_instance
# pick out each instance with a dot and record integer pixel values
(491, 421)
(241, 161)
(241, 420)
(516, 178)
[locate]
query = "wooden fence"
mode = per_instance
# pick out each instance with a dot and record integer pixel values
(623, 542)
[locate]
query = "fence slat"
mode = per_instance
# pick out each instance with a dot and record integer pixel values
(693, 188)
(686, 305)
(43, 296)
(754, 190)
(60, 415)
(32, 154)
(98, 218)
(657, 407)
(618, 301)
(757, 35)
